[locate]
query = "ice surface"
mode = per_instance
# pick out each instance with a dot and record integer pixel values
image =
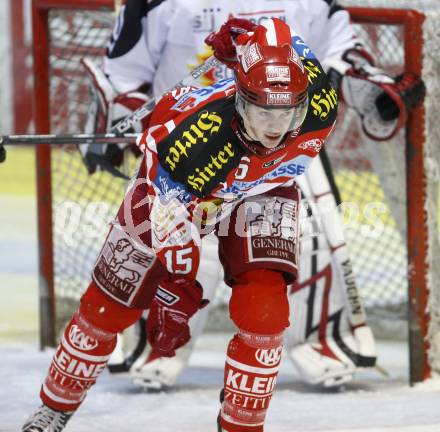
(371, 403)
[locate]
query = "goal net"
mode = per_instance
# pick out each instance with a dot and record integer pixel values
(391, 228)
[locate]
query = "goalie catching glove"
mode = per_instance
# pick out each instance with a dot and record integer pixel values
(174, 304)
(380, 100)
(106, 109)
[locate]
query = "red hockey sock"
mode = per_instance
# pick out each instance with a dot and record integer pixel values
(251, 371)
(87, 343)
(80, 357)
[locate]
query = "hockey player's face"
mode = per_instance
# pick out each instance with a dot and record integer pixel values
(268, 126)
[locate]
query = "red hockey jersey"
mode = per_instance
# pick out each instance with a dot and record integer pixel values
(195, 154)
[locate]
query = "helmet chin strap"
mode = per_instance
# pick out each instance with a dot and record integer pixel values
(252, 144)
(248, 134)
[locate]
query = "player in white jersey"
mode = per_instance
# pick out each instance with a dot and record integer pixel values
(155, 44)
(159, 42)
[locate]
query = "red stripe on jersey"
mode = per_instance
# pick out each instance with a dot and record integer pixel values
(159, 134)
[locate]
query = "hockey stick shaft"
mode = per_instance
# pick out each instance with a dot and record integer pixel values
(118, 132)
(52, 139)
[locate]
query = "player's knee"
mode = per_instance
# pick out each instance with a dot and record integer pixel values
(104, 312)
(259, 302)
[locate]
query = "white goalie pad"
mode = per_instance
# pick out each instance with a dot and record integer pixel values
(131, 357)
(162, 372)
(319, 369)
(328, 338)
(333, 364)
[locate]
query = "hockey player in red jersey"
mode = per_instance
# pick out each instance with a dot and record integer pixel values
(147, 54)
(221, 158)
(142, 57)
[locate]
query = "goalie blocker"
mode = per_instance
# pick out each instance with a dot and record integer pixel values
(110, 110)
(106, 109)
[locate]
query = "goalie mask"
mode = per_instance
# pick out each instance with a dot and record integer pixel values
(271, 97)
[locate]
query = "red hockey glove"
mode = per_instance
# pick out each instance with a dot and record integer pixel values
(222, 41)
(174, 304)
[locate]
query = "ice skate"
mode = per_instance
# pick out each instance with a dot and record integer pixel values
(45, 419)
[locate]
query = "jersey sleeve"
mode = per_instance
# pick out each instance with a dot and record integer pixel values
(335, 33)
(138, 39)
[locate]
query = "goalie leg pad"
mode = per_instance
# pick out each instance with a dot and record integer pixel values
(162, 372)
(320, 368)
(330, 338)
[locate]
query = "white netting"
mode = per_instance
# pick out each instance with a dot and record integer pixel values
(365, 172)
(431, 77)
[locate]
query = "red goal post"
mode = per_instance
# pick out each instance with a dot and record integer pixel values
(42, 117)
(420, 220)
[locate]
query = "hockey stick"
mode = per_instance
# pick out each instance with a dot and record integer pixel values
(117, 133)
(52, 139)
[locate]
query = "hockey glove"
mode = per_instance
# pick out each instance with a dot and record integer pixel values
(106, 110)
(380, 100)
(2, 154)
(174, 304)
(222, 41)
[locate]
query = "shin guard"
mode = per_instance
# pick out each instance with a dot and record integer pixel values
(251, 371)
(80, 357)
